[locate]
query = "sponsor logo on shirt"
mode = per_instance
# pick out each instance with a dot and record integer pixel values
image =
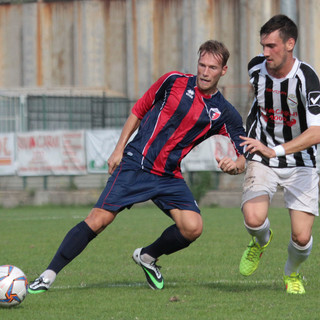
(276, 91)
(279, 116)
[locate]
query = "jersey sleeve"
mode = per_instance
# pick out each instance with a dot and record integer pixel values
(154, 93)
(312, 95)
(255, 64)
(234, 129)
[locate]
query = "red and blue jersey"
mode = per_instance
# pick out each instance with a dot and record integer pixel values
(175, 117)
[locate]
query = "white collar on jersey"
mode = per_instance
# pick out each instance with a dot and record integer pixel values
(291, 74)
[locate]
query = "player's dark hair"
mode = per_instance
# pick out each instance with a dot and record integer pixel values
(287, 28)
(216, 48)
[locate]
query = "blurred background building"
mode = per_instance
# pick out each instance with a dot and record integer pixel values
(81, 64)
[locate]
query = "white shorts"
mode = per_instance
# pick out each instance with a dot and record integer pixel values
(300, 185)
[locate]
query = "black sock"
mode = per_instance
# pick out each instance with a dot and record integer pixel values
(72, 245)
(169, 242)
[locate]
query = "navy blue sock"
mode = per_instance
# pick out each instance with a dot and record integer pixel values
(169, 242)
(72, 245)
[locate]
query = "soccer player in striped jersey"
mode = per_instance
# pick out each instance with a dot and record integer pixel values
(177, 112)
(282, 134)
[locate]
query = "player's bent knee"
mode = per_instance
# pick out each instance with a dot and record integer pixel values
(301, 239)
(189, 223)
(191, 235)
(192, 232)
(196, 234)
(197, 231)
(253, 220)
(98, 219)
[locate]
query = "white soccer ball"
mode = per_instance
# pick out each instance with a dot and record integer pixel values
(13, 286)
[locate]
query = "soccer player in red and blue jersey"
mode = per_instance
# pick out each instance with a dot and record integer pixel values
(178, 112)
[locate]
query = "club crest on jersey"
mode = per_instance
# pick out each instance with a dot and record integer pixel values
(190, 93)
(314, 102)
(292, 101)
(214, 113)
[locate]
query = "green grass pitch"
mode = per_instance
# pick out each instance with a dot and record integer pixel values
(201, 282)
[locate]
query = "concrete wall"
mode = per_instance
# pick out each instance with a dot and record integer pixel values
(85, 190)
(125, 45)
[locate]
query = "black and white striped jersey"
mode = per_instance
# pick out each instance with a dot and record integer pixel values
(282, 109)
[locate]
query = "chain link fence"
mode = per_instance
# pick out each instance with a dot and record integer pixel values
(45, 112)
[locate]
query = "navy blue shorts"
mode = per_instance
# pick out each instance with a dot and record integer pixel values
(129, 184)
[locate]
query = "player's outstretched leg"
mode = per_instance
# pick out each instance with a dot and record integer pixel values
(73, 244)
(251, 256)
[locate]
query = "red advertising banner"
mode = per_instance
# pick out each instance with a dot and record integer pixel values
(7, 154)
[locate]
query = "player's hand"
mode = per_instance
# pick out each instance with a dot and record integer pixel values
(227, 165)
(255, 146)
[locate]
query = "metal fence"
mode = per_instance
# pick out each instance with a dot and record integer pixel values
(45, 112)
(11, 114)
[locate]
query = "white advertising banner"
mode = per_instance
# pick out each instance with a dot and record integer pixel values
(7, 154)
(203, 157)
(99, 145)
(51, 153)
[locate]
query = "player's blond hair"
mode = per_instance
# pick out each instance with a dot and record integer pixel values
(216, 48)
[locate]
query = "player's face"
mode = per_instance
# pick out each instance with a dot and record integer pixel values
(279, 59)
(210, 70)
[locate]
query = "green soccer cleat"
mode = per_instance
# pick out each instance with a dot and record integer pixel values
(151, 271)
(251, 256)
(39, 285)
(294, 283)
